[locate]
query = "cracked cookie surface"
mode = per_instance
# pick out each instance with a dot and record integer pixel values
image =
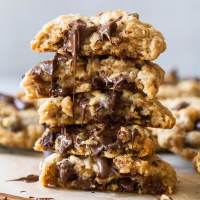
(115, 33)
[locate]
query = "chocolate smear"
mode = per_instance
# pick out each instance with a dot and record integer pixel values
(28, 179)
(40, 198)
(4, 196)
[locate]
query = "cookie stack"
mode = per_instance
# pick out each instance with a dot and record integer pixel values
(100, 89)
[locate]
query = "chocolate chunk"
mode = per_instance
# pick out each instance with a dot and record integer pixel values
(43, 67)
(97, 149)
(48, 140)
(197, 125)
(182, 105)
(17, 126)
(128, 185)
(77, 33)
(104, 166)
(64, 142)
(98, 82)
(107, 30)
(28, 179)
(66, 171)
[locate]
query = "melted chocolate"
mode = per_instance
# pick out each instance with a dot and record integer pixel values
(48, 140)
(72, 42)
(104, 166)
(43, 67)
(128, 185)
(64, 142)
(107, 30)
(16, 102)
(66, 171)
(28, 179)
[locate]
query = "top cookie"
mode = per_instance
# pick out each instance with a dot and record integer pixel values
(110, 33)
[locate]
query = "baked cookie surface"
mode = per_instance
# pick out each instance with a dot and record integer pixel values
(116, 33)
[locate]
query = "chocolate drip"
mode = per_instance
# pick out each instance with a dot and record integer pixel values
(16, 102)
(53, 91)
(72, 43)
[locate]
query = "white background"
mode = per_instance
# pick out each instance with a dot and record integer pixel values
(178, 20)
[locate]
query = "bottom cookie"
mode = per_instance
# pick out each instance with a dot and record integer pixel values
(124, 173)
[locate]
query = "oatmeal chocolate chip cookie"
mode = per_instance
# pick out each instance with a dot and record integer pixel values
(196, 162)
(57, 79)
(174, 87)
(122, 107)
(98, 139)
(115, 33)
(184, 138)
(19, 126)
(123, 173)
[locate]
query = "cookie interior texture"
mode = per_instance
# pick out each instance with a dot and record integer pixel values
(49, 79)
(124, 173)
